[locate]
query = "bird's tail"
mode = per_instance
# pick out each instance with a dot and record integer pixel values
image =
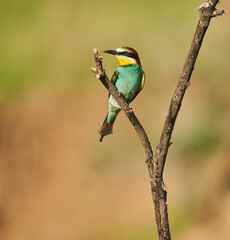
(106, 129)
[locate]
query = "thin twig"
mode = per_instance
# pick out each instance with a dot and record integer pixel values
(156, 163)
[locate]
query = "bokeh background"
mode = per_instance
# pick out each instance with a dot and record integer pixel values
(57, 181)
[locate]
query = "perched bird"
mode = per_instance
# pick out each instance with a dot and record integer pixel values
(129, 80)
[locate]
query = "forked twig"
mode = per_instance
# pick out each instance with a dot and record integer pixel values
(156, 163)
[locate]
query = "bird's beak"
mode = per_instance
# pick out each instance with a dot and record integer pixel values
(113, 52)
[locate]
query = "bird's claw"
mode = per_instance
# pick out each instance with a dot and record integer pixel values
(130, 109)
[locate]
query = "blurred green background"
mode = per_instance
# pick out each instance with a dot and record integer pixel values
(57, 181)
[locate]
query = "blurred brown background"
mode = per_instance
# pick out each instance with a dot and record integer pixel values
(57, 181)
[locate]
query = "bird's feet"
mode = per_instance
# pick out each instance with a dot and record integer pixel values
(130, 109)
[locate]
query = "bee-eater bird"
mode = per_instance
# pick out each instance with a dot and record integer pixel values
(129, 80)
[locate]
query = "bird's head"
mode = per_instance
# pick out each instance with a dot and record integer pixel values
(125, 56)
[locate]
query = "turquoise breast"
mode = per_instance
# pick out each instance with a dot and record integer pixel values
(127, 83)
(128, 80)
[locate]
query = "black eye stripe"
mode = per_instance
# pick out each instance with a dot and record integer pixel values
(128, 54)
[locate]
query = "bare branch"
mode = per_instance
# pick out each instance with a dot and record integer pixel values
(207, 10)
(162, 211)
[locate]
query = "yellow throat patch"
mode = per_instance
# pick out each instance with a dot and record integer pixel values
(125, 61)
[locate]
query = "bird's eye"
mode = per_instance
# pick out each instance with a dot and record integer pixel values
(125, 53)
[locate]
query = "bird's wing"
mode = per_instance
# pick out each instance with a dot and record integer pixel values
(114, 78)
(142, 83)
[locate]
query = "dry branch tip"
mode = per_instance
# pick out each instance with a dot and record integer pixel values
(209, 7)
(218, 12)
(95, 51)
(93, 69)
